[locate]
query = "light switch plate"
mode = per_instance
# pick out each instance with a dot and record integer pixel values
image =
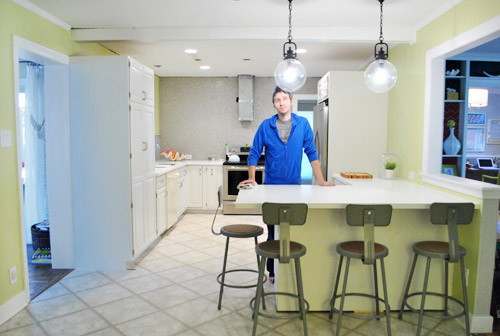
(5, 138)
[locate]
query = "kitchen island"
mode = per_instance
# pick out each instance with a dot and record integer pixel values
(326, 227)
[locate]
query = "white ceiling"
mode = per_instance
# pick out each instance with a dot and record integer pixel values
(338, 35)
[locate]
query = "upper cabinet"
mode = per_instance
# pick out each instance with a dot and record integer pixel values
(141, 83)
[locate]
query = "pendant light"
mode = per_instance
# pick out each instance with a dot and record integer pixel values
(290, 74)
(381, 75)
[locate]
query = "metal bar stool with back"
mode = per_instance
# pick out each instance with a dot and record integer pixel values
(234, 231)
(368, 252)
(284, 215)
(450, 214)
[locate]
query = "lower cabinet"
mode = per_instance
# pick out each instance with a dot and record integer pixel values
(203, 184)
(161, 204)
(172, 198)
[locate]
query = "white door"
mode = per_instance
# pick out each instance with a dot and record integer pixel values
(143, 176)
(172, 198)
(138, 177)
(195, 186)
(148, 161)
(161, 210)
(213, 179)
(148, 86)
(136, 81)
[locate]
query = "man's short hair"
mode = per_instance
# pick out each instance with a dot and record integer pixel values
(278, 89)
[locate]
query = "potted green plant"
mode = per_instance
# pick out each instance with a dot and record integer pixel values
(390, 167)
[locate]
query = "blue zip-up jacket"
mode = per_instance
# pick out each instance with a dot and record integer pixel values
(283, 162)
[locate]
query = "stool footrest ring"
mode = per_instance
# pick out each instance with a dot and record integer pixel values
(436, 316)
(288, 315)
(358, 316)
(239, 286)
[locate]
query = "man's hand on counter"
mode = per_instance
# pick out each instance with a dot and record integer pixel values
(249, 181)
(326, 183)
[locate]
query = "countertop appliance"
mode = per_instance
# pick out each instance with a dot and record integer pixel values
(233, 173)
(320, 130)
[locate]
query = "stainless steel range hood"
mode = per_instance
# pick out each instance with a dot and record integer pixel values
(245, 97)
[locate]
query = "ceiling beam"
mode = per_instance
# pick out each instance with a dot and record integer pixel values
(305, 34)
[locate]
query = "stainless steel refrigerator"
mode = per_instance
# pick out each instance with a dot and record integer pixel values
(320, 129)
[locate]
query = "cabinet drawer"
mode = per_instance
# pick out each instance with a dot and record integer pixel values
(160, 182)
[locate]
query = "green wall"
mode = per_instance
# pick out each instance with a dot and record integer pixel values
(406, 106)
(15, 20)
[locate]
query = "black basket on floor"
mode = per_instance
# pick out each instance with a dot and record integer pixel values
(40, 235)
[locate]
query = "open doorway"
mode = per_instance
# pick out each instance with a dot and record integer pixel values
(41, 92)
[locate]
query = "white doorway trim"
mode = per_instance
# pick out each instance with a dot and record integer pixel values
(58, 155)
(481, 321)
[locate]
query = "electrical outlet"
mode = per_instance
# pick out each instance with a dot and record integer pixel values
(466, 277)
(13, 275)
(188, 156)
(411, 176)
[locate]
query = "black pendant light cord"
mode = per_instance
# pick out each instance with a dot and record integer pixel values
(290, 53)
(381, 37)
(383, 51)
(290, 21)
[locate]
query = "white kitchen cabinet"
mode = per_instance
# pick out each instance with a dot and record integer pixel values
(195, 186)
(212, 181)
(141, 83)
(182, 191)
(112, 162)
(161, 204)
(173, 204)
(203, 184)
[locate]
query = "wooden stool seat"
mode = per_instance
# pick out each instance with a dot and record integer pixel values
(356, 249)
(271, 249)
(436, 249)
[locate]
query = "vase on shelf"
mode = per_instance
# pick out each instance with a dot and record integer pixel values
(451, 145)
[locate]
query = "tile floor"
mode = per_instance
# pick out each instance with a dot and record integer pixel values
(173, 291)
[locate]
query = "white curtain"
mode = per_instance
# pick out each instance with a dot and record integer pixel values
(36, 205)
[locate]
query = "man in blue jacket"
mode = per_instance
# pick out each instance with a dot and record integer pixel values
(284, 136)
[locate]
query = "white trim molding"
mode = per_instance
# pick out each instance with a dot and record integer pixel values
(434, 110)
(13, 306)
(40, 12)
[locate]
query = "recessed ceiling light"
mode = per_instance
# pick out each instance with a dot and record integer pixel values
(301, 51)
(247, 59)
(197, 59)
(205, 67)
(157, 65)
(190, 51)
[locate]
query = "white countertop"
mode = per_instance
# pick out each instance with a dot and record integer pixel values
(400, 194)
(183, 163)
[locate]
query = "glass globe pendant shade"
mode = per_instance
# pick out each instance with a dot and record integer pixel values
(380, 76)
(290, 75)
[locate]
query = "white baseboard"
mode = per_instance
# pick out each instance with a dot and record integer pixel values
(12, 307)
(481, 324)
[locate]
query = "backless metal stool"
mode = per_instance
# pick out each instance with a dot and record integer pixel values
(284, 215)
(235, 231)
(368, 252)
(451, 214)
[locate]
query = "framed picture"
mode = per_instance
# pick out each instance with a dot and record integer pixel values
(476, 119)
(475, 139)
(493, 131)
(449, 170)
